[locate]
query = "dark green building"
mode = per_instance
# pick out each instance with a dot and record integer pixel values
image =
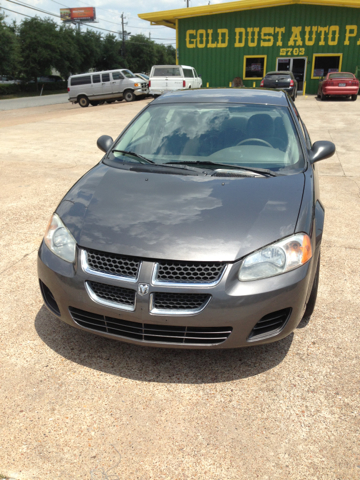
(251, 37)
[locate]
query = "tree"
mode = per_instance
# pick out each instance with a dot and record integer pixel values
(69, 59)
(111, 54)
(140, 53)
(89, 46)
(9, 50)
(39, 43)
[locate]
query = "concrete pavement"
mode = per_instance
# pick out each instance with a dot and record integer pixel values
(77, 406)
(28, 102)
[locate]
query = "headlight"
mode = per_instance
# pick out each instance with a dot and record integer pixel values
(59, 239)
(280, 257)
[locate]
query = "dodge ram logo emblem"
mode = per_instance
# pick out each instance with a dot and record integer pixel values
(143, 289)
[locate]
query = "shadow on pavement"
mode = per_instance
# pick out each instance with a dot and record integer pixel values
(157, 364)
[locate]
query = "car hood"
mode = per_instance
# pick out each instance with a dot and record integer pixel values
(180, 217)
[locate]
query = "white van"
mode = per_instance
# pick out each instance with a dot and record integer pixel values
(166, 78)
(109, 86)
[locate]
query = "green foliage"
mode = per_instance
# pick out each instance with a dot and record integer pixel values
(38, 45)
(111, 54)
(12, 88)
(9, 49)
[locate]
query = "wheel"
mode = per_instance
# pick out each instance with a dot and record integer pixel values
(259, 140)
(83, 101)
(353, 97)
(322, 96)
(312, 299)
(129, 96)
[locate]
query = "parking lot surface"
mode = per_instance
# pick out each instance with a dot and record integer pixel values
(28, 102)
(77, 406)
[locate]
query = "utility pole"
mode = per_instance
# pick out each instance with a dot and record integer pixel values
(187, 3)
(123, 35)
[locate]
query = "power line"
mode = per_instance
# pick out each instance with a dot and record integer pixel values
(49, 13)
(23, 4)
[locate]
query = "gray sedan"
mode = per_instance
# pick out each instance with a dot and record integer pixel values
(200, 227)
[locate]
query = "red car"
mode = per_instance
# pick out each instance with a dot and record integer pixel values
(338, 84)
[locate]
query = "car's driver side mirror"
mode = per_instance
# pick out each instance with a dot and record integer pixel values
(321, 150)
(104, 142)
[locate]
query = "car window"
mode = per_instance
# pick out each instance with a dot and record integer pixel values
(128, 74)
(195, 73)
(334, 76)
(188, 72)
(83, 80)
(105, 77)
(96, 78)
(249, 135)
(167, 72)
(277, 76)
(117, 76)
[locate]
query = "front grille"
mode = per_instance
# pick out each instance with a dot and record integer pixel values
(151, 333)
(112, 264)
(190, 302)
(188, 272)
(110, 293)
(49, 298)
(270, 325)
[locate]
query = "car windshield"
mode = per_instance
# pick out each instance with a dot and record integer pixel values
(128, 74)
(255, 136)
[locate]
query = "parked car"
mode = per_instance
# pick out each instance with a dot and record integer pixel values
(110, 85)
(343, 84)
(281, 80)
(167, 78)
(201, 226)
(6, 79)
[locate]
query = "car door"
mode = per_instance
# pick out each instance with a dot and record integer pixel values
(117, 82)
(106, 86)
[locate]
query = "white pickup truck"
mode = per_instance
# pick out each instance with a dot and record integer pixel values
(166, 78)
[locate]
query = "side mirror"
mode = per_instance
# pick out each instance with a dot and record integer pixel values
(321, 150)
(104, 142)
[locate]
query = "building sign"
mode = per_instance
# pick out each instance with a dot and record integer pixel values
(298, 37)
(71, 14)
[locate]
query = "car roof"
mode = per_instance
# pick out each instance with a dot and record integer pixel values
(280, 72)
(224, 95)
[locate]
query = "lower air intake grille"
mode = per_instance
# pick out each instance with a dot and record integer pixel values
(123, 296)
(190, 302)
(270, 325)
(49, 298)
(151, 333)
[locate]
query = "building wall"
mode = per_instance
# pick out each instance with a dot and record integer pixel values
(216, 44)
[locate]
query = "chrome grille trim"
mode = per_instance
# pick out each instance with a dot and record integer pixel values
(169, 311)
(87, 269)
(108, 303)
(155, 281)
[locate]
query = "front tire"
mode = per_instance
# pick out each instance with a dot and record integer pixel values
(129, 96)
(83, 101)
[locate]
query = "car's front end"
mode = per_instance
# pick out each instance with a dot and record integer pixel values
(177, 250)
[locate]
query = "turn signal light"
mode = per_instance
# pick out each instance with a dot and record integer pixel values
(184, 83)
(291, 83)
(149, 83)
(262, 83)
(68, 89)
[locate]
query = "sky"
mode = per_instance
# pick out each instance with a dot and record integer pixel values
(108, 13)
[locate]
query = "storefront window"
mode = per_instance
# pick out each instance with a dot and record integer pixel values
(254, 67)
(323, 64)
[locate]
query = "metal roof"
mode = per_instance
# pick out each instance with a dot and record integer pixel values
(224, 95)
(169, 17)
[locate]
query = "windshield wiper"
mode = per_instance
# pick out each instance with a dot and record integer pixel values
(261, 171)
(133, 154)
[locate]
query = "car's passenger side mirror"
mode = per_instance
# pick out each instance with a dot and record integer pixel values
(321, 150)
(104, 142)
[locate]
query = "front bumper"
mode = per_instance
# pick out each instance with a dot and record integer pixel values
(235, 305)
(141, 92)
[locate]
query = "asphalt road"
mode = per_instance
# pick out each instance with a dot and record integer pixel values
(77, 406)
(28, 102)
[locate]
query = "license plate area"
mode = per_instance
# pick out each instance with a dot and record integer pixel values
(342, 84)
